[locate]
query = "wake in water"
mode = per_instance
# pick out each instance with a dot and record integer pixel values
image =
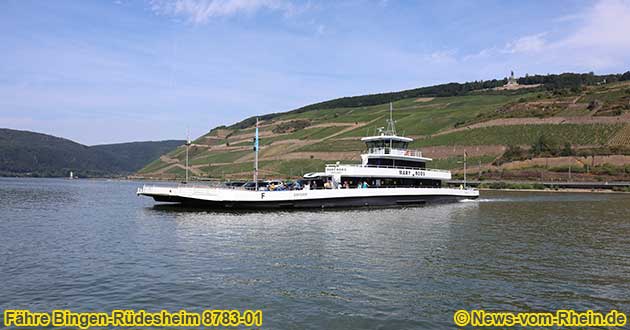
(480, 200)
(537, 197)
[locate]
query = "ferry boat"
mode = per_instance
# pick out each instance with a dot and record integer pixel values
(390, 174)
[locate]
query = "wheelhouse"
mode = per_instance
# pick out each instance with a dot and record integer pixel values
(392, 151)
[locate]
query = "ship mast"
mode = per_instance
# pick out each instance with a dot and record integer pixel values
(187, 147)
(391, 125)
(256, 156)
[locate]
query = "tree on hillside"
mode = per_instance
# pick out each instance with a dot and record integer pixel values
(543, 145)
(512, 153)
(567, 150)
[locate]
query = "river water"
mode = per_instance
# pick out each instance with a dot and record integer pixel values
(90, 245)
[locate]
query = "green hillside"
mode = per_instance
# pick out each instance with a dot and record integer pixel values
(589, 113)
(24, 153)
(132, 156)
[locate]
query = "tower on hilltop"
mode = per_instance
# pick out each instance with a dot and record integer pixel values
(511, 80)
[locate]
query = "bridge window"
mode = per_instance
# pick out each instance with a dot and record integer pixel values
(386, 143)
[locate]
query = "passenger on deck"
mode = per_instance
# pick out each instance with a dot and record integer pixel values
(365, 184)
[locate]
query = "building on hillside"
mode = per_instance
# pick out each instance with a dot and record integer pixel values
(511, 80)
(512, 83)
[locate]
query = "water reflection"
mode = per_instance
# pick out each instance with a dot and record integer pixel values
(101, 247)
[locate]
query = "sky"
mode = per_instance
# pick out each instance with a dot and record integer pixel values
(101, 71)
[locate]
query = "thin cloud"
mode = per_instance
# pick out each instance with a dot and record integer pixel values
(527, 44)
(201, 11)
(569, 18)
(607, 25)
(599, 42)
(321, 29)
(443, 56)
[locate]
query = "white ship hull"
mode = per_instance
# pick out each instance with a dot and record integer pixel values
(322, 198)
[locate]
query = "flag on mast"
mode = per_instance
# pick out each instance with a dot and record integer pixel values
(256, 138)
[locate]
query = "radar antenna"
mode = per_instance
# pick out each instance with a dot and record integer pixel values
(391, 124)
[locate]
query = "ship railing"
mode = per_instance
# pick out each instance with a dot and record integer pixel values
(395, 152)
(370, 187)
(150, 187)
(390, 167)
